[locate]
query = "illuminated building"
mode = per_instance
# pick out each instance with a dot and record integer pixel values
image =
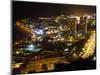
(91, 22)
(82, 28)
(72, 25)
(67, 24)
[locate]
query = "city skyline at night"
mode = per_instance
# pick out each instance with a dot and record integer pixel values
(51, 37)
(37, 9)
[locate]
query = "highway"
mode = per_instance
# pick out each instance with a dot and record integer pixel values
(89, 46)
(23, 27)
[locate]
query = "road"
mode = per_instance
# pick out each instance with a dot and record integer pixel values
(89, 46)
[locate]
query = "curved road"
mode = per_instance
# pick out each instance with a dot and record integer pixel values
(89, 46)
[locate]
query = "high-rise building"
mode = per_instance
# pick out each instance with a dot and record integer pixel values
(72, 26)
(82, 27)
(68, 23)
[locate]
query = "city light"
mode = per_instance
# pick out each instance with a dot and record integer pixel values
(52, 37)
(31, 47)
(17, 52)
(63, 39)
(94, 58)
(39, 31)
(89, 47)
(66, 49)
(78, 18)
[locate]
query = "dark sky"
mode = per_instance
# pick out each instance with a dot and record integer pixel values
(33, 9)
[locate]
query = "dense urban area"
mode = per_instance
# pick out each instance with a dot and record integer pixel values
(57, 43)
